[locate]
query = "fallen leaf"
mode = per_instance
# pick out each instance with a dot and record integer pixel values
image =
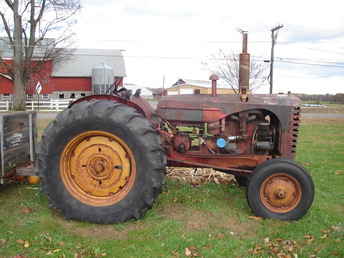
(175, 253)
(256, 250)
(337, 228)
(26, 210)
(255, 218)
(20, 241)
(187, 252)
(275, 250)
(309, 238)
(220, 236)
(281, 255)
(339, 172)
(324, 236)
(2, 241)
(53, 251)
(266, 240)
(26, 244)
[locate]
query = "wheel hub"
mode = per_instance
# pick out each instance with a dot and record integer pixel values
(280, 193)
(97, 167)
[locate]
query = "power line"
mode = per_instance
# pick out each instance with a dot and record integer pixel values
(311, 64)
(325, 51)
(298, 61)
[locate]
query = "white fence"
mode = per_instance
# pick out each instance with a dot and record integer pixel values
(52, 105)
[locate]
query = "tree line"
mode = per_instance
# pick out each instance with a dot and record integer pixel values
(319, 98)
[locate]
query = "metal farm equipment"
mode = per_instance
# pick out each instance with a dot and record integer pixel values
(103, 159)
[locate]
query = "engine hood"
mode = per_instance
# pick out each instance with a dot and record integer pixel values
(206, 108)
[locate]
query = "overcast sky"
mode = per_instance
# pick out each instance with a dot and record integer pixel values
(173, 38)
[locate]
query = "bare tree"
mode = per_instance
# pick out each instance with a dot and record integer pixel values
(226, 66)
(30, 26)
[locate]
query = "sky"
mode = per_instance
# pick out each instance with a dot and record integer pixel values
(172, 39)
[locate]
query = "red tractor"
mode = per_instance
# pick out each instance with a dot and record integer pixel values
(104, 158)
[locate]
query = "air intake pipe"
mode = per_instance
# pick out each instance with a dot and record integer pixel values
(214, 78)
(244, 70)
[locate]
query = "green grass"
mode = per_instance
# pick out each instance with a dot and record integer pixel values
(210, 220)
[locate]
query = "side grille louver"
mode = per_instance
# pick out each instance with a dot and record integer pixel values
(295, 128)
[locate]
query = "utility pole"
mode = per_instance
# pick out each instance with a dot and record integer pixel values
(163, 85)
(273, 42)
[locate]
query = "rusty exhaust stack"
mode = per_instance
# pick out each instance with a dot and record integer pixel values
(244, 70)
(213, 79)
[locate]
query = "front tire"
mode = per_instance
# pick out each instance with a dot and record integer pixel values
(280, 189)
(101, 162)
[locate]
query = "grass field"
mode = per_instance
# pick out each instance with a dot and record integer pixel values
(207, 221)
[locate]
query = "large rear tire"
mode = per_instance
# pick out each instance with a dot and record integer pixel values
(280, 189)
(101, 162)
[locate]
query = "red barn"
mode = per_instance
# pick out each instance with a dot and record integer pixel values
(70, 78)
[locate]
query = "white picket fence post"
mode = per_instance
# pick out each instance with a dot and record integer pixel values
(52, 105)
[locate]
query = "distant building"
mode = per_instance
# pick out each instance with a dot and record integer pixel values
(144, 91)
(186, 86)
(69, 78)
(157, 93)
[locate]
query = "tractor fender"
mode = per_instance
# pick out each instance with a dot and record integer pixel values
(138, 103)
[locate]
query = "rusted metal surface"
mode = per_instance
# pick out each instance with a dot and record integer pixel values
(226, 116)
(97, 168)
(280, 193)
(17, 141)
(192, 107)
(223, 162)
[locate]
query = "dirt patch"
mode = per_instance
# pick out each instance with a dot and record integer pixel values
(105, 232)
(196, 220)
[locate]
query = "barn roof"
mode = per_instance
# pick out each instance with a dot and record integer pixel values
(81, 62)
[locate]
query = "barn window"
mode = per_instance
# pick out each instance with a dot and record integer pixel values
(61, 96)
(72, 96)
(82, 94)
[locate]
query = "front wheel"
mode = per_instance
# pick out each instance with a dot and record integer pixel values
(280, 189)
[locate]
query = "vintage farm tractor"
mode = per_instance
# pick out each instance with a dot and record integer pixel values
(103, 159)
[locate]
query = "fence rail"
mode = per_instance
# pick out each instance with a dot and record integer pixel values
(52, 105)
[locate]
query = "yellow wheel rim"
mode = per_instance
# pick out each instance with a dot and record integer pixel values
(97, 168)
(280, 193)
